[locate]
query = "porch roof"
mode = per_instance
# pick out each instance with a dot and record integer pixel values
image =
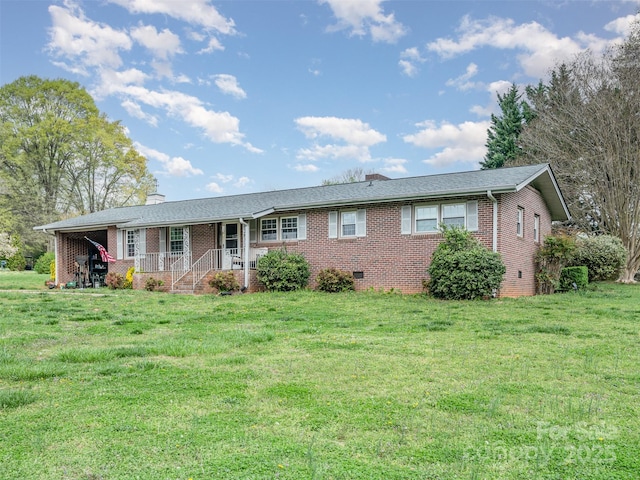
(255, 205)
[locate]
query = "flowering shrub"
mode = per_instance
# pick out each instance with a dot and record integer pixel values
(114, 280)
(333, 280)
(128, 279)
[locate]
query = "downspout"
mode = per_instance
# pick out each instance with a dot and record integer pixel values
(245, 240)
(495, 220)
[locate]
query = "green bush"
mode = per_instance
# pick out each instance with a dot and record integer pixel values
(603, 255)
(553, 255)
(152, 284)
(333, 280)
(43, 263)
(17, 262)
(224, 282)
(462, 268)
(574, 278)
(280, 271)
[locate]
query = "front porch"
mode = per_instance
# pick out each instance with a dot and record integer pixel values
(180, 272)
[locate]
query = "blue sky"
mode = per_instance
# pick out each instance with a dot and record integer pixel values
(239, 96)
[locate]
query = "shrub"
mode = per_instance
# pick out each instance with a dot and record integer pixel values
(152, 284)
(333, 280)
(17, 262)
(128, 279)
(281, 271)
(43, 263)
(224, 282)
(603, 255)
(553, 255)
(573, 278)
(461, 268)
(114, 280)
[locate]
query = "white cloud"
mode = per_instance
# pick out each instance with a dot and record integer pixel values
(463, 82)
(223, 178)
(364, 17)
(540, 49)
(622, 25)
(214, 187)
(73, 36)
(394, 165)
(409, 58)
(242, 182)
(357, 135)
(228, 84)
(135, 110)
(309, 167)
(163, 44)
(212, 46)
(172, 166)
(195, 12)
(462, 143)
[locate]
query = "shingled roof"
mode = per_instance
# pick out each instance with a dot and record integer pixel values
(255, 205)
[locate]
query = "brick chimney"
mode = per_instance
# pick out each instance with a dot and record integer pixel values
(375, 176)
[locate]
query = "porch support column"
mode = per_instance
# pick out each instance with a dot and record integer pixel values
(495, 220)
(245, 255)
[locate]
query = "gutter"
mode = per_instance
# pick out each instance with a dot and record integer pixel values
(495, 219)
(245, 240)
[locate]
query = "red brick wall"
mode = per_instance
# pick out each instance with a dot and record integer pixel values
(518, 253)
(387, 258)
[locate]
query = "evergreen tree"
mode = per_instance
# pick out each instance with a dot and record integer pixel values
(502, 143)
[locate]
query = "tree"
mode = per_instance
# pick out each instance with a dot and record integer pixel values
(502, 143)
(351, 175)
(59, 157)
(587, 126)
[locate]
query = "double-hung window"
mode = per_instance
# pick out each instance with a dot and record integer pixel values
(269, 229)
(520, 222)
(130, 243)
(176, 239)
(283, 228)
(427, 218)
(348, 223)
(289, 228)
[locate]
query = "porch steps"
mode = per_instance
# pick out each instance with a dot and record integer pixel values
(185, 285)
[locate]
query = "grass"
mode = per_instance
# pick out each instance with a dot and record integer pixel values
(120, 385)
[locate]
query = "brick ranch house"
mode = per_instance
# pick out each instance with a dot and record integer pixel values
(383, 230)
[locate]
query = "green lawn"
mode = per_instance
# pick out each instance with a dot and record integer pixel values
(97, 384)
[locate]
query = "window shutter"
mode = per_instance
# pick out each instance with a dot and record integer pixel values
(302, 227)
(253, 231)
(472, 215)
(162, 237)
(361, 223)
(333, 224)
(120, 248)
(142, 241)
(406, 220)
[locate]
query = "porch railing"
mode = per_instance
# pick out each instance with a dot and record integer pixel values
(156, 262)
(212, 260)
(180, 268)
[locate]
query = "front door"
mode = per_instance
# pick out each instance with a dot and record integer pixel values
(230, 244)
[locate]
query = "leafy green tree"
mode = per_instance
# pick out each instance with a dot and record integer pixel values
(587, 126)
(59, 157)
(502, 142)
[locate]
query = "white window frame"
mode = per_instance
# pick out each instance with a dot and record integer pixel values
(337, 223)
(271, 230)
(430, 206)
(536, 228)
(171, 240)
(410, 216)
(520, 222)
(292, 230)
(343, 224)
(130, 243)
(280, 235)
